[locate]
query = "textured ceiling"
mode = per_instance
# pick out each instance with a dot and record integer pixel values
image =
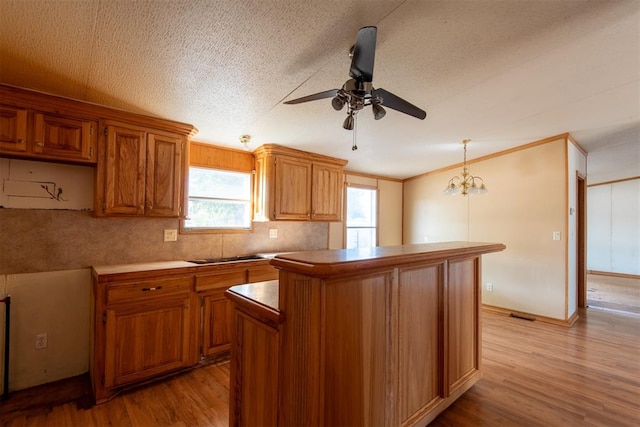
(503, 73)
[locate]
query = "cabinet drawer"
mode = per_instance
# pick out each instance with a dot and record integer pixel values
(220, 280)
(263, 273)
(118, 293)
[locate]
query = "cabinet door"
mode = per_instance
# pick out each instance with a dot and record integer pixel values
(125, 171)
(420, 292)
(463, 329)
(326, 193)
(164, 162)
(65, 138)
(292, 189)
(145, 340)
(216, 331)
(13, 129)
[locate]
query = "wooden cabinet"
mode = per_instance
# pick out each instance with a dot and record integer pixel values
(144, 326)
(45, 136)
(296, 185)
(140, 160)
(216, 308)
(389, 339)
(140, 173)
(65, 138)
(13, 129)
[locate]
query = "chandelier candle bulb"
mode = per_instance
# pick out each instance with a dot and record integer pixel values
(465, 183)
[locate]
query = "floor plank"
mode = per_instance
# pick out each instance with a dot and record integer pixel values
(535, 374)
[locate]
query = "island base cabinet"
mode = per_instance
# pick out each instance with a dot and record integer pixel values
(254, 373)
(389, 337)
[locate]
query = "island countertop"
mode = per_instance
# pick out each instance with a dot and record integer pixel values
(339, 262)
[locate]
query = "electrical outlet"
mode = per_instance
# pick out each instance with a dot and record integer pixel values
(273, 233)
(41, 340)
(489, 287)
(170, 235)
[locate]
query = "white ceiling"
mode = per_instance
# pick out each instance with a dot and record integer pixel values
(503, 73)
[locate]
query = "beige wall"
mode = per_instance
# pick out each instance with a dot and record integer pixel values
(526, 203)
(389, 211)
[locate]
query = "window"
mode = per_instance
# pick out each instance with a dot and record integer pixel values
(362, 218)
(219, 199)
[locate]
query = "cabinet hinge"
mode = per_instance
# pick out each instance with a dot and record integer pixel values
(90, 152)
(91, 130)
(104, 206)
(106, 131)
(104, 317)
(102, 379)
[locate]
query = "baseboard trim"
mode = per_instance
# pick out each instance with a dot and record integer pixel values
(531, 317)
(608, 273)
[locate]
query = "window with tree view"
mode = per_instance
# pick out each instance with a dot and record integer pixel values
(362, 222)
(219, 199)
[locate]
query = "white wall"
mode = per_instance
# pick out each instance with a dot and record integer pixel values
(526, 203)
(67, 186)
(55, 303)
(613, 227)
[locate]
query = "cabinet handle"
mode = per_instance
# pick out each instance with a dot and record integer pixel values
(39, 144)
(19, 141)
(150, 207)
(156, 288)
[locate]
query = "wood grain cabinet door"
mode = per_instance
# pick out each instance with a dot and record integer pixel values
(146, 340)
(326, 192)
(216, 331)
(125, 166)
(420, 296)
(292, 189)
(65, 138)
(13, 129)
(163, 172)
(463, 328)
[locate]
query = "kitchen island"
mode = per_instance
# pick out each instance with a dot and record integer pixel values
(379, 336)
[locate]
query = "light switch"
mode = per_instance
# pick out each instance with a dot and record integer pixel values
(273, 233)
(556, 235)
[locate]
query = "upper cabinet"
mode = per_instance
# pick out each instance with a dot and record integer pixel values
(140, 161)
(140, 172)
(13, 129)
(296, 185)
(29, 133)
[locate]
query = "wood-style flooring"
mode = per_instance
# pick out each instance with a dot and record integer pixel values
(535, 374)
(613, 293)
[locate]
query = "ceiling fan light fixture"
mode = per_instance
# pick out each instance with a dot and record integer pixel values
(378, 111)
(348, 122)
(337, 102)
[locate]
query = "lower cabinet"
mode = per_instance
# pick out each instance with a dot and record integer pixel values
(216, 309)
(146, 341)
(151, 322)
(144, 326)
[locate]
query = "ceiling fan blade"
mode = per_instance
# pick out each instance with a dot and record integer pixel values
(364, 53)
(396, 103)
(321, 95)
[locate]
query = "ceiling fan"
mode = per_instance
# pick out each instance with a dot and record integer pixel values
(358, 92)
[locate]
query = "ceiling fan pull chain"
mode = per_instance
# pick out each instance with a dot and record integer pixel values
(354, 147)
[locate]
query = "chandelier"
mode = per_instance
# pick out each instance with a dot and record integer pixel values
(465, 183)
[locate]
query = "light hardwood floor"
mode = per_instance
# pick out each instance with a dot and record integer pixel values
(613, 293)
(535, 374)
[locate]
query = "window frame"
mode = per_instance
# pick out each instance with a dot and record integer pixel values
(207, 156)
(346, 207)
